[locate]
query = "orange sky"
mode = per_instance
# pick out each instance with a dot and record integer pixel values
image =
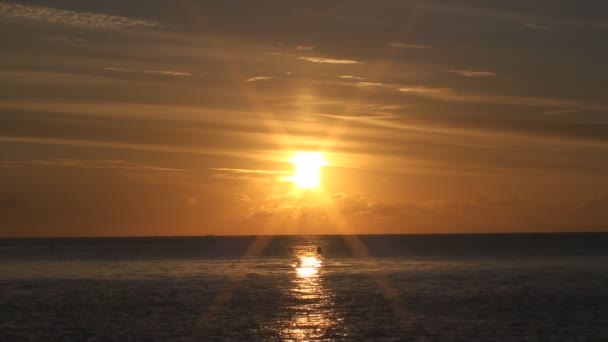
(181, 118)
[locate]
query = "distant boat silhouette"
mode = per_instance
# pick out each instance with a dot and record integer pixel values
(319, 250)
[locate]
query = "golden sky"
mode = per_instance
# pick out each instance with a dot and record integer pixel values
(185, 117)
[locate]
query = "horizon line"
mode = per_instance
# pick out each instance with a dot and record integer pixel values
(294, 235)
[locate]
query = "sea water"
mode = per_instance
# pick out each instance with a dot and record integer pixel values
(505, 287)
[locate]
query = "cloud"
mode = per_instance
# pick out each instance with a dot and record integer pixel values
(355, 203)
(249, 171)
(390, 210)
(287, 206)
(350, 77)
(450, 95)
(316, 59)
(560, 111)
(372, 84)
(347, 204)
(483, 203)
(167, 72)
(424, 90)
(240, 174)
(240, 198)
(472, 73)
(358, 205)
(121, 69)
(157, 72)
(373, 108)
(359, 83)
(66, 17)
(523, 101)
(447, 94)
(262, 213)
(328, 60)
(540, 27)
(305, 48)
(408, 46)
(123, 146)
(258, 78)
(91, 164)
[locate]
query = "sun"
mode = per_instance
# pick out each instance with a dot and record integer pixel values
(307, 174)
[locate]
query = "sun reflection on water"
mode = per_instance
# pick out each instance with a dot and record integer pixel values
(311, 303)
(307, 266)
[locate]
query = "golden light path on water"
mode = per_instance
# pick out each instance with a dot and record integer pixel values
(312, 307)
(307, 266)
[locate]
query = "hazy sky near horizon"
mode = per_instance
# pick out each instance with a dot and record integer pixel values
(179, 117)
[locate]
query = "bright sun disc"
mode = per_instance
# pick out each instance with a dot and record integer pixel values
(308, 166)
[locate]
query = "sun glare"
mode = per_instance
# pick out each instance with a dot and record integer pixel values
(308, 166)
(307, 266)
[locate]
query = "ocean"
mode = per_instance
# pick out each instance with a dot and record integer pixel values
(502, 287)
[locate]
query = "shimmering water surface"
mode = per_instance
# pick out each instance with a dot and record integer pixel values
(545, 287)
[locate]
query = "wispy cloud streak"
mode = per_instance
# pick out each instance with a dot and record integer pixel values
(323, 60)
(96, 144)
(328, 60)
(424, 90)
(259, 78)
(560, 111)
(350, 77)
(241, 174)
(90, 164)
(248, 171)
(472, 73)
(447, 94)
(408, 46)
(66, 17)
(157, 72)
